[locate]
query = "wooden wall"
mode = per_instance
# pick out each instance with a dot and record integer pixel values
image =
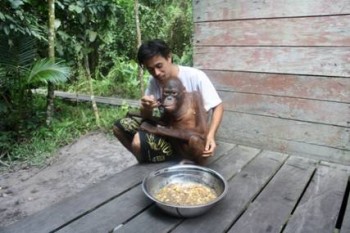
(282, 68)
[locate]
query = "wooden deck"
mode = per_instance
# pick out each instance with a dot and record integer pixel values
(268, 192)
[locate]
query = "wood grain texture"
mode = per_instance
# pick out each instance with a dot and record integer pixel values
(289, 108)
(345, 228)
(309, 31)
(250, 180)
(153, 220)
(107, 217)
(319, 207)
(208, 10)
(288, 60)
(330, 143)
(309, 87)
(271, 209)
(76, 206)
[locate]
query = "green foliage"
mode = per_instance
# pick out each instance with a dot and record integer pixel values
(101, 30)
(18, 18)
(121, 81)
(71, 121)
(20, 73)
(44, 71)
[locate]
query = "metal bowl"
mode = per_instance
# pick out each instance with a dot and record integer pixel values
(184, 174)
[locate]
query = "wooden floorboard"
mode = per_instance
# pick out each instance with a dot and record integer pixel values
(268, 192)
(238, 157)
(345, 228)
(251, 179)
(106, 218)
(270, 211)
(78, 205)
(83, 202)
(319, 208)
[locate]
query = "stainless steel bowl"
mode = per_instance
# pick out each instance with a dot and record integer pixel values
(184, 174)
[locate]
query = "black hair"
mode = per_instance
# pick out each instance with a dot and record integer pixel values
(152, 48)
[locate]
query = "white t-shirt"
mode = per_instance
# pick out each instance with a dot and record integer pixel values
(193, 80)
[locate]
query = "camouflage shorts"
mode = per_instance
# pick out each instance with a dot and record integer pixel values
(154, 148)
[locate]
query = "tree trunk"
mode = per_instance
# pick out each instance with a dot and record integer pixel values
(88, 75)
(138, 32)
(51, 41)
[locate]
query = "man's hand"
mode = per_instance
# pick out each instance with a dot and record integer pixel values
(210, 146)
(149, 102)
(147, 105)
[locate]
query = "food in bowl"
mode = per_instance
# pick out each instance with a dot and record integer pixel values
(186, 194)
(184, 175)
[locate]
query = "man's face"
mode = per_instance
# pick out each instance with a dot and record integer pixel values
(159, 67)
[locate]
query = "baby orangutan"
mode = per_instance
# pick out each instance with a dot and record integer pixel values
(184, 121)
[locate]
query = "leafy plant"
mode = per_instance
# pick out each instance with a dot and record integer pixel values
(21, 72)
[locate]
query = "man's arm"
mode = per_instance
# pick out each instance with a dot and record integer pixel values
(214, 125)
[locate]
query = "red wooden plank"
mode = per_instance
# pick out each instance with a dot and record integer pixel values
(208, 10)
(329, 61)
(310, 31)
(289, 108)
(310, 87)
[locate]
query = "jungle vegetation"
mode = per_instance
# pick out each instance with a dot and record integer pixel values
(84, 46)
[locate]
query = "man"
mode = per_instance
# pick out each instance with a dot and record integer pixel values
(155, 56)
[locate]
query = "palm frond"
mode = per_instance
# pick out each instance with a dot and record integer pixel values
(17, 52)
(45, 71)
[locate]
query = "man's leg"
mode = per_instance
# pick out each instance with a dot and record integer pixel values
(136, 148)
(124, 130)
(152, 148)
(144, 146)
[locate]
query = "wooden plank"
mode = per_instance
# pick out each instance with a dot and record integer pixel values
(242, 189)
(345, 228)
(271, 209)
(78, 205)
(323, 112)
(87, 98)
(340, 167)
(105, 218)
(154, 220)
(150, 222)
(207, 10)
(108, 216)
(237, 158)
(310, 87)
(327, 61)
(227, 166)
(294, 148)
(309, 31)
(319, 208)
(259, 135)
(239, 124)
